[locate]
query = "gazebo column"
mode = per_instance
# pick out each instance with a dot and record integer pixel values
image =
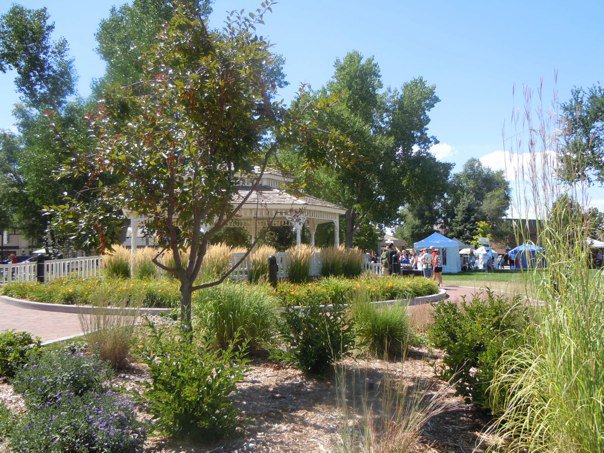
(297, 219)
(336, 240)
(134, 222)
(312, 226)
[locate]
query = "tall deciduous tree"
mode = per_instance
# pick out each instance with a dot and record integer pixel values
(45, 80)
(205, 114)
(583, 151)
(376, 139)
(475, 194)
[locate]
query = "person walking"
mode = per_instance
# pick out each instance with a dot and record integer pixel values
(437, 267)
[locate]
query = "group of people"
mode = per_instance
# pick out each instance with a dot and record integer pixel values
(428, 262)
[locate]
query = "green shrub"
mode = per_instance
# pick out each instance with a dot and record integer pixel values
(15, 350)
(383, 330)
(298, 263)
(190, 386)
(237, 314)
(54, 375)
(7, 421)
(91, 423)
(474, 337)
(316, 337)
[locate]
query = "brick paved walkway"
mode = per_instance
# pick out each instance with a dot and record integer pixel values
(51, 326)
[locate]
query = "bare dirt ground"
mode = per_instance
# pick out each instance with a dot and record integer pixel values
(284, 410)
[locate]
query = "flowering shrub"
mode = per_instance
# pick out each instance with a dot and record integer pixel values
(55, 375)
(15, 350)
(146, 293)
(190, 386)
(92, 423)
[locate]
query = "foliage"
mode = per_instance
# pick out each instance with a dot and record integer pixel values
(15, 351)
(216, 91)
(237, 314)
(259, 263)
(7, 421)
(316, 337)
(116, 263)
(298, 263)
(581, 156)
(376, 138)
(110, 331)
(474, 337)
(44, 71)
(340, 290)
(91, 423)
(143, 263)
(217, 261)
(383, 330)
(339, 261)
(54, 375)
(190, 386)
(162, 293)
(475, 194)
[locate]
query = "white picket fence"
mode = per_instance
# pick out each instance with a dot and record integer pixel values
(87, 267)
(243, 270)
(84, 267)
(22, 272)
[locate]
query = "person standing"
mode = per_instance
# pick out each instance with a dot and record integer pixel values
(437, 267)
(427, 263)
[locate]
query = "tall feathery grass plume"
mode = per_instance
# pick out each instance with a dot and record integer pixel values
(550, 392)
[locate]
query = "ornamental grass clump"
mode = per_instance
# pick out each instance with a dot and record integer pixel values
(550, 391)
(143, 263)
(109, 329)
(382, 329)
(258, 271)
(298, 263)
(237, 314)
(339, 261)
(116, 262)
(217, 261)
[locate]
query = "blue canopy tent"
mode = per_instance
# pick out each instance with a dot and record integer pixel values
(525, 256)
(449, 251)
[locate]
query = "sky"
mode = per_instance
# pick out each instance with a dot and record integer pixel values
(480, 55)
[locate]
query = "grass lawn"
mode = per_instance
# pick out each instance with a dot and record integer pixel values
(508, 281)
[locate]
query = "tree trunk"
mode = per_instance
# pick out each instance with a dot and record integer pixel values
(185, 307)
(351, 216)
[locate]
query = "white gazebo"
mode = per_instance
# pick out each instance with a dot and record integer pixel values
(269, 205)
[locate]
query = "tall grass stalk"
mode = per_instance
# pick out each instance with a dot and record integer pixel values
(143, 263)
(259, 263)
(298, 263)
(340, 261)
(110, 330)
(116, 263)
(216, 262)
(389, 419)
(551, 392)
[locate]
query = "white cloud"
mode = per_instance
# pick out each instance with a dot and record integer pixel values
(521, 166)
(441, 150)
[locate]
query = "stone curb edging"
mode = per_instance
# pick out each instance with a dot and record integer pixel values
(441, 295)
(75, 309)
(87, 309)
